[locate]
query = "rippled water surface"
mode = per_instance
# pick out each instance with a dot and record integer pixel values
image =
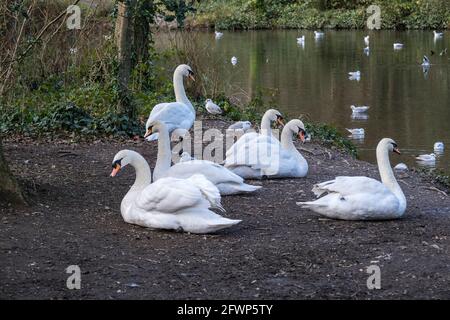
(406, 103)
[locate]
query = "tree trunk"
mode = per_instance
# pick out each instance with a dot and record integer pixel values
(9, 189)
(124, 39)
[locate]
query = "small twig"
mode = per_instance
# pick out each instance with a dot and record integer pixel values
(405, 183)
(437, 190)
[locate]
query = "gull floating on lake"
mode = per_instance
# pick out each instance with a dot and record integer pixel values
(366, 40)
(218, 34)
(401, 167)
(360, 109)
(438, 34)
(439, 146)
(301, 39)
(367, 50)
(355, 75)
(425, 61)
(318, 34)
(356, 132)
(427, 157)
(398, 46)
(212, 108)
(234, 61)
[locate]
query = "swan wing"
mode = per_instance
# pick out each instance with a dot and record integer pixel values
(349, 186)
(174, 115)
(212, 171)
(170, 195)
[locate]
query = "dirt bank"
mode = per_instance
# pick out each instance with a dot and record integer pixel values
(278, 251)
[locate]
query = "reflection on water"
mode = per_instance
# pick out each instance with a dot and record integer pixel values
(406, 103)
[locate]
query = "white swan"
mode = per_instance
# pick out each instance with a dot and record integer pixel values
(269, 116)
(218, 35)
(398, 46)
(234, 61)
(362, 198)
(179, 114)
(226, 181)
(361, 109)
(177, 204)
(438, 146)
(212, 108)
(427, 157)
(366, 40)
(267, 157)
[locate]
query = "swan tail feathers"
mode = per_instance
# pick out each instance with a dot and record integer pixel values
(208, 189)
(248, 187)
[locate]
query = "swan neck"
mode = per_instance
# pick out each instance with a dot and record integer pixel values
(387, 175)
(180, 92)
(286, 139)
(266, 128)
(164, 159)
(143, 172)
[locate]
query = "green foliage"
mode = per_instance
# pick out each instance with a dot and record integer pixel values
(180, 9)
(315, 14)
(436, 176)
(330, 135)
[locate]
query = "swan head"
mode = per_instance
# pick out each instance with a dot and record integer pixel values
(275, 116)
(121, 159)
(297, 127)
(153, 127)
(185, 71)
(179, 134)
(389, 144)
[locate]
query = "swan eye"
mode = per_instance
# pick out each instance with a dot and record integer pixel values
(117, 163)
(394, 145)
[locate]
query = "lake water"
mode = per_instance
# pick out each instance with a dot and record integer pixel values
(406, 104)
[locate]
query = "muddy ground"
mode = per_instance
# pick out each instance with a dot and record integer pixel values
(279, 251)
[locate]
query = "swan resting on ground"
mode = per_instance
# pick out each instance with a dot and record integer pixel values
(179, 114)
(362, 198)
(269, 117)
(226, 181)
(265, 156)
(176, 204)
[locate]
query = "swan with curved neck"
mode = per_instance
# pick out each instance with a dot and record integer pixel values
(179, 114)
(362, 198)
(226, 181)
(269, 117)
(169, 203)
(267, 157)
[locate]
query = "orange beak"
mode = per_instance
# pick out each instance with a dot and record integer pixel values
(115, 170)
(301, 136)
(148, 133)
(397, 151)
(191, 77)
(280, 122)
